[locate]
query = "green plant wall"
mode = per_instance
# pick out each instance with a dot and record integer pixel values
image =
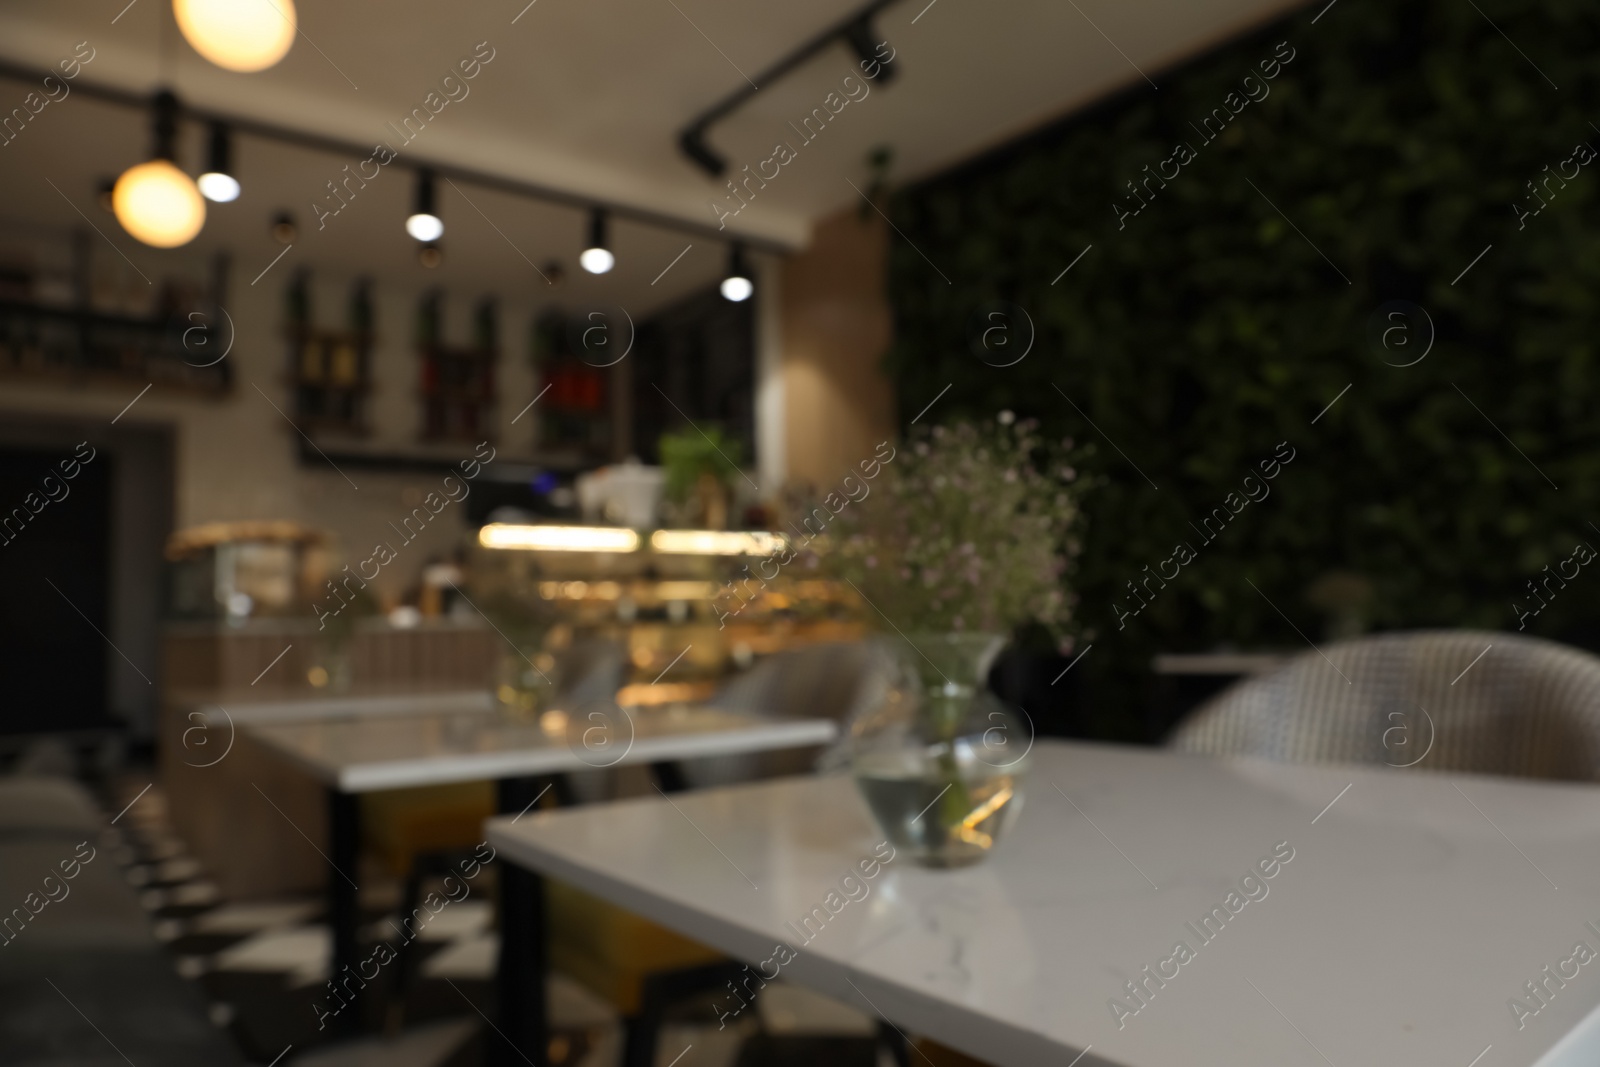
(1377, 165)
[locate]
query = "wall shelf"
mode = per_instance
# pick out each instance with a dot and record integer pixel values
(575, 417)
(330, 371)
(104, 350)
(457, 386)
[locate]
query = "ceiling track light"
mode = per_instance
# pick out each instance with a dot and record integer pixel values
(424, 223)
(739, 283)
(218, 183)
(858, 35)
(155, 201)
(597, 257)
(238, 35)
(854, 30)
(271, 133)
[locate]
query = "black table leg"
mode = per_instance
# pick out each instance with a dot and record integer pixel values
(889, 1037)
(561, 789)
(344, 916)
(523, 1029)
(669, 776)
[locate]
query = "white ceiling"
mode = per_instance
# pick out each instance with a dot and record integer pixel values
(586, 97)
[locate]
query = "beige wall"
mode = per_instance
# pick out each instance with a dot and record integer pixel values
(836, 327)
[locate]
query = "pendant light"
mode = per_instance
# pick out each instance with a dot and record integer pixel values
(597, 258)
(218, 183)
(239, 35)
(737, 286)
(155, 201)
(424, 223)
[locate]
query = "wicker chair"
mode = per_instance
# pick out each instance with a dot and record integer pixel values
(1431, 699)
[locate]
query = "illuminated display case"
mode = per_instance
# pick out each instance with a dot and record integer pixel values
(688, 606)
(240, 570)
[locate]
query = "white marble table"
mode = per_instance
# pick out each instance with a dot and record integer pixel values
(353, 751)
(331, 708)
(364, 753)
(1413, 910)
(1219, 664)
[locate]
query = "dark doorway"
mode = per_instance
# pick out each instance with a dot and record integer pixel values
(55, 569)
(695, 360)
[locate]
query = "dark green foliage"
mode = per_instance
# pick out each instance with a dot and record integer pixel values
(1208, 330)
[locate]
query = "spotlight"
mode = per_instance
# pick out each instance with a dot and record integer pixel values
(430, 255)
(859, 36)
(155, 201)
(218, 182)
(238, 35)
(283, 228)
(737, 286)
(424, 223)
(597, 258)
(103, 193)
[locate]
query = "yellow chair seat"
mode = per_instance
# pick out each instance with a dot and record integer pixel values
(398, 824)
(611, 950)
(606, 948)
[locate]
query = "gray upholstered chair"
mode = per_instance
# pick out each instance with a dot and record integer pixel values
(829, 680)
(1435, 700)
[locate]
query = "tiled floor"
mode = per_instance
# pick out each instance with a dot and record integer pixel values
(263, 964)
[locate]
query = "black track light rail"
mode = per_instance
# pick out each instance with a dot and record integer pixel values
(336, 146)
(692, 139)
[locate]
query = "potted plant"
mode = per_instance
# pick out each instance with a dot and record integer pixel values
(700, 469)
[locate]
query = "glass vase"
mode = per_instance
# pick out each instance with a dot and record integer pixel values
(940, 759)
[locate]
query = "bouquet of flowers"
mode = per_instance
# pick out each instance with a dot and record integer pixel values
(966, 537)
(970, 530)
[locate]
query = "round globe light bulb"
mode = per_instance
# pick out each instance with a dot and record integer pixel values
(597, 260)
(158, 204)
(737, 289)
(425, 227)
(240, 35)
(219, 187)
